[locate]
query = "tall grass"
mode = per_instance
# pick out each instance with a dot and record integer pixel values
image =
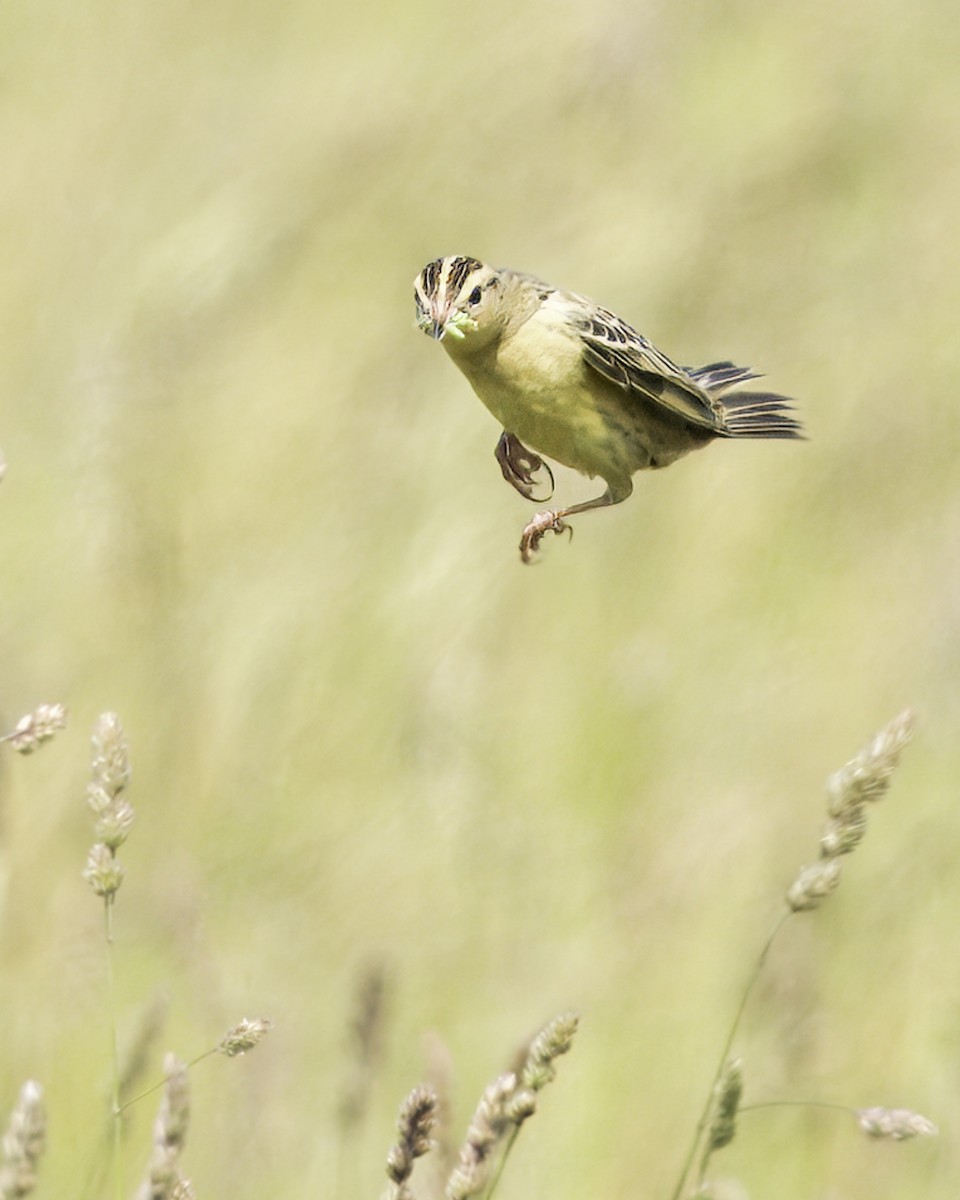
(247, 508)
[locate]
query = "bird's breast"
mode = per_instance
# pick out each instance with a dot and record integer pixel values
(537, 385)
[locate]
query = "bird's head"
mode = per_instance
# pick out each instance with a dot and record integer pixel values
(460, 299)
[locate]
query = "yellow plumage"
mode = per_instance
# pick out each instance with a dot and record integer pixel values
(568, 379)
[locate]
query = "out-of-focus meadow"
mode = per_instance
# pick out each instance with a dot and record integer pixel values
(250, 509)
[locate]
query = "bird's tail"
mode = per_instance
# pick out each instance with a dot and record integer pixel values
(747, 414)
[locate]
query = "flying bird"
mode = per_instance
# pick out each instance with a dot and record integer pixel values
(570, 380)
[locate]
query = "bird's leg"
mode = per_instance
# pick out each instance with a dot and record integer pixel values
(520, 465)
(547, 522)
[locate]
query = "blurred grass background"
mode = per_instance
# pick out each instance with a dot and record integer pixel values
(251, 510)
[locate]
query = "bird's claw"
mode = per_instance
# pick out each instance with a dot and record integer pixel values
(534, 531)
(520, 466)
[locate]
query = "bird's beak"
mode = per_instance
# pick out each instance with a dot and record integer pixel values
(433, 322)
(438, 322)
(442, 319)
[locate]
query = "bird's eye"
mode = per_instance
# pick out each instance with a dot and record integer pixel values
(474, 297)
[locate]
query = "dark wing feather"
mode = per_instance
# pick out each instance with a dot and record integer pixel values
(625, 357)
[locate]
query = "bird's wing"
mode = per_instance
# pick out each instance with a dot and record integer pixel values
(619, 353)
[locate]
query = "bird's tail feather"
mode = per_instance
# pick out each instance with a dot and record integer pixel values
(719, 376)
(747, 414)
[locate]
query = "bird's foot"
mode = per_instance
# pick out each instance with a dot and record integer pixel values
(521, 466)
(533, 533)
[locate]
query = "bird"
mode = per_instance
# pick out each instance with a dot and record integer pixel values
(570, 381)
